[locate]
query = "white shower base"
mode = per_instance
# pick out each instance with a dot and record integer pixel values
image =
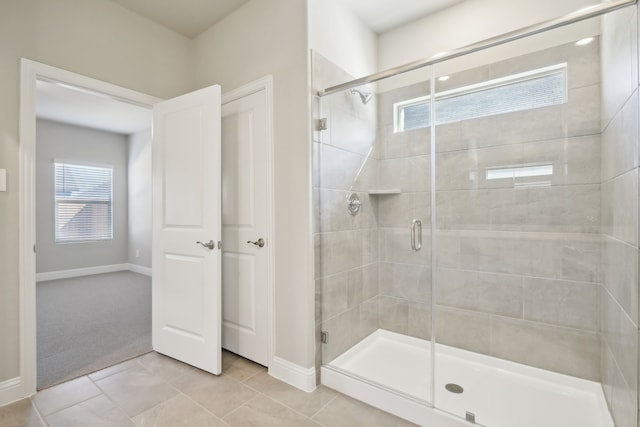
(500, 393)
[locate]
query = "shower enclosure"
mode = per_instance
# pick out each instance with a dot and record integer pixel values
(476, 227)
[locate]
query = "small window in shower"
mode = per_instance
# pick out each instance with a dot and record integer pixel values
(524, 91)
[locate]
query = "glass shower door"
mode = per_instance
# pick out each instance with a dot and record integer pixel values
(373, 257)
(518, 194)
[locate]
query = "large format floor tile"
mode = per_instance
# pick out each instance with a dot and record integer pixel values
(154, 390)
(20, 414)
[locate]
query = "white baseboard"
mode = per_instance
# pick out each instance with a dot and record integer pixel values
(292, 374)
(140, 269)
(10, 391)
(77, 272)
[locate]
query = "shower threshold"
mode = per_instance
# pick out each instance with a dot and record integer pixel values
(393, 372)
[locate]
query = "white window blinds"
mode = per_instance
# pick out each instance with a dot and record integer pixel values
(83, 202)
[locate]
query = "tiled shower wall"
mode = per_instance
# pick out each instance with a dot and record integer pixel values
(620, 215)
(518, 259)
(518, 266)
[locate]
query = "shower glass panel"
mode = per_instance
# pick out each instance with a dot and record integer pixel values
(518, 230)
(373, 246)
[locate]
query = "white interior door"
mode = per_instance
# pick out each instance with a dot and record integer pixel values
(186, 292)
(245, 219)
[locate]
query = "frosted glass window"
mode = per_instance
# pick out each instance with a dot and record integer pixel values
(83, 203)
(533, 89)
(522, 171)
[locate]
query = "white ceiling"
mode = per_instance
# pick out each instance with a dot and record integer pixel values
(187, 17)
(80, 107)
(384, 15)
(192, 17)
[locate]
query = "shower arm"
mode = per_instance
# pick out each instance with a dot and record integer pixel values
(571, 18)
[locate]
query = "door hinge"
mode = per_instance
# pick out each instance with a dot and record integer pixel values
(321, 124)
(324, 337)
(470, 417)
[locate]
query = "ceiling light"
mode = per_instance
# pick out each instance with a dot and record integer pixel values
(444, 78)
(584, 42)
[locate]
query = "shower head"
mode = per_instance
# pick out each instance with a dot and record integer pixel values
(364, 96)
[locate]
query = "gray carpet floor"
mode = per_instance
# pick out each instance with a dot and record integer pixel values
(88, 323)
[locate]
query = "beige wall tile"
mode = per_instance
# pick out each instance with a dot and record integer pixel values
(568, 351)
(620, 207)
(409, 174)
(620, 140)
(345, 250)
(562, 303)
(369, 317)
(575, 160)
(419, 322)
(394, 314)
(339, 168)
(621, 334)
(333, 295)
(463, 329)
(399, 210)
(334, 213)
(619, 59)
(620, 274)
(343, 332)
(407, 281)
(395, 245)
(484, 292)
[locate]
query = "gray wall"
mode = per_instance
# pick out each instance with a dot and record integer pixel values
(73, 143)
(140, 211)
(620, 214)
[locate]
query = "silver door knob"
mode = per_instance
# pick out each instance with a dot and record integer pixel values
(259, 243)
(209, 244)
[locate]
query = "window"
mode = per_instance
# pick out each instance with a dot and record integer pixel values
(83, 203)
(533, 89)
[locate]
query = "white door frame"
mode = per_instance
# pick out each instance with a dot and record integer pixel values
(266, 84)
(30, 72)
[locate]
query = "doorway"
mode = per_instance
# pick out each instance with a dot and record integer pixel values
(30, 73)
(79, 129)
(93, 233)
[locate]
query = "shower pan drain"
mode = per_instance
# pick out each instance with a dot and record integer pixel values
(454, 388)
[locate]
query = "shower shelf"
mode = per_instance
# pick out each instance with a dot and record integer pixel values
(384, 191)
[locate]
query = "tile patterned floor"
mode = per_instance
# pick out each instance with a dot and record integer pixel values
(154, 390)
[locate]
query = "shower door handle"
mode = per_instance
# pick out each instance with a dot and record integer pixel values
(416, 235)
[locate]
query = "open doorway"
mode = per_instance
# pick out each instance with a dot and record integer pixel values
(33, 74)
(93, 231)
